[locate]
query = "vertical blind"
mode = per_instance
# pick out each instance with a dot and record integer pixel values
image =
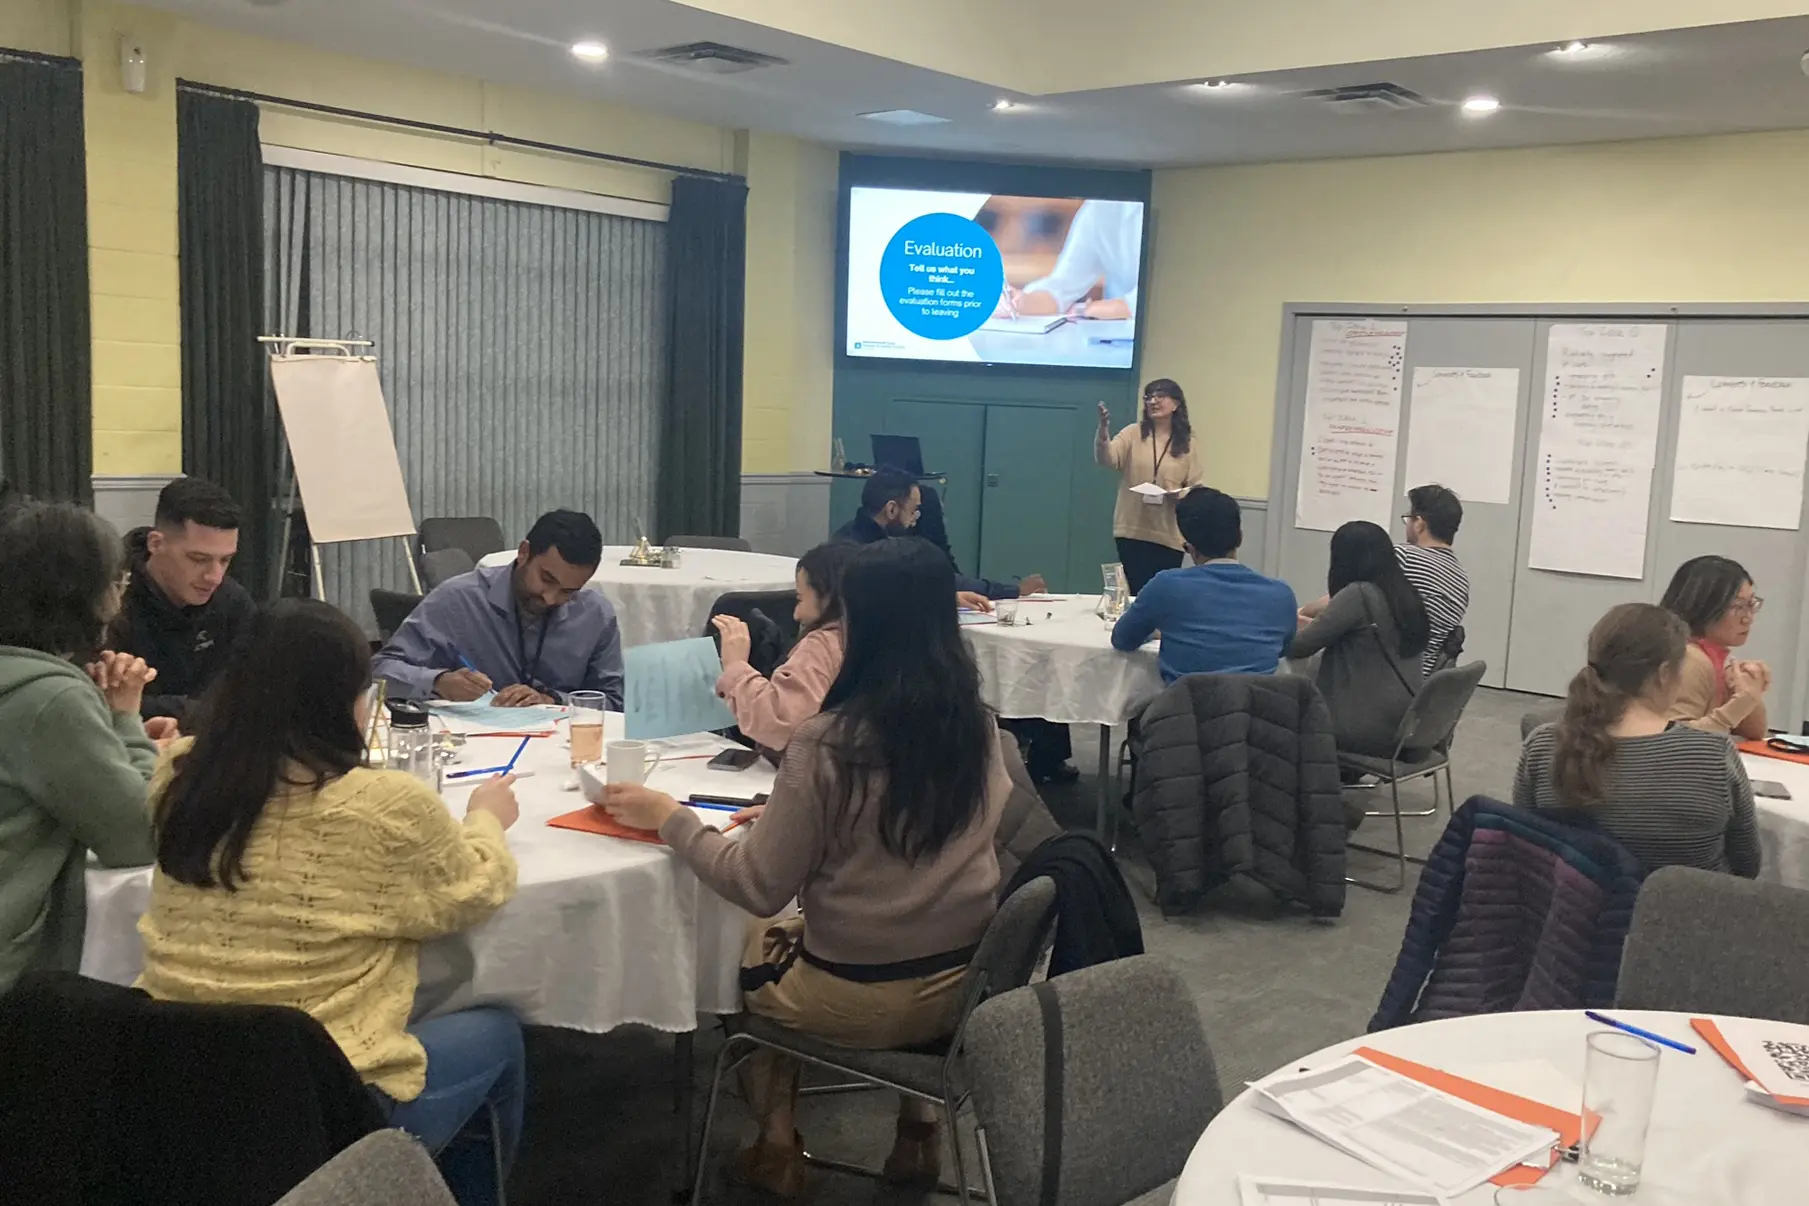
(521, 348)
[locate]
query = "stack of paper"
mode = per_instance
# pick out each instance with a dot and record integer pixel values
(1288, 1191)
(1772, 1056)
(1403, 1127)
(483, 716)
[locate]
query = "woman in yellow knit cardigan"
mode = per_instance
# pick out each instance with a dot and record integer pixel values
(290, 874)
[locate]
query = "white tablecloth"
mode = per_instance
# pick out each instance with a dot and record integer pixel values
(1061, 666)
(1783, 824)
(601, 931)
(655, 605)
(1708, 1146)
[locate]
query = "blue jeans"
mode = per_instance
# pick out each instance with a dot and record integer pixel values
(474, 1057)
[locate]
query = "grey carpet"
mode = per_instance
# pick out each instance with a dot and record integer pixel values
(1270, 986)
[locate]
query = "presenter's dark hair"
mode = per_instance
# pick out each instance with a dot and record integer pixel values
(280, 717)
(1363, 552)
(906, 704)
(195, 500)
(1210, 522)
(1702, 590)
(59, 564)
(886, 486)
(1439, 508)
(1180, 428)
(573, 533)
(823, 568)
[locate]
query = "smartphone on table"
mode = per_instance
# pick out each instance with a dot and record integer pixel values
(734, 760)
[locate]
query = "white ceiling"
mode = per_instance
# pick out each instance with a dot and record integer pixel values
(1705, 80)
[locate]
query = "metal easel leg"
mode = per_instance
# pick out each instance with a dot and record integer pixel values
(320, 582)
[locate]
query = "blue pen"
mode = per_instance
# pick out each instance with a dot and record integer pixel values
(1660, 1039)
(717, 807)
(516, 754)
(492, 770)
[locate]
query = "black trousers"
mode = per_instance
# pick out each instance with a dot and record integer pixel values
(1143, 560)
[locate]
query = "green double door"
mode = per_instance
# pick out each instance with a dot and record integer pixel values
(1010, 472)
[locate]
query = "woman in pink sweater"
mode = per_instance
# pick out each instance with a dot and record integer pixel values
(768, 710)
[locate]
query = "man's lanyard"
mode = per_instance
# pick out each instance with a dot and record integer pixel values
(521, 648)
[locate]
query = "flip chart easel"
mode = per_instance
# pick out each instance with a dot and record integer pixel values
(341, 450)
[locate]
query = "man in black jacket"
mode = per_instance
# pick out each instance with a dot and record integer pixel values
(181, 613)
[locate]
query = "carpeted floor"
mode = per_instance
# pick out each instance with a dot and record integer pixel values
(601, 1126)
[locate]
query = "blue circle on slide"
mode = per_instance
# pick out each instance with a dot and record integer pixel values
(941, 276)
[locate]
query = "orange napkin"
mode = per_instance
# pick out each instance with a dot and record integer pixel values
(592, 819)
(1761, 750)
(1521, 1109)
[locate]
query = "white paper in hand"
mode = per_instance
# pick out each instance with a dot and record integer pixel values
(1150, 493)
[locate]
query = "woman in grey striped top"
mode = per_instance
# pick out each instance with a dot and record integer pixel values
(1672, 795)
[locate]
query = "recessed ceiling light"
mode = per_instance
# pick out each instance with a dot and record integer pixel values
(1215, 85)
(1481, 104)
(1003, 104)
(1572, 48)
(590, 52)
(904, 117)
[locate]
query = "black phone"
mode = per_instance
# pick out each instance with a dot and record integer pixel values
(734, 760)
(1770, 789)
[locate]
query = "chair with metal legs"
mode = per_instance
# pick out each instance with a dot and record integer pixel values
(1005, 959)
(1422, 749)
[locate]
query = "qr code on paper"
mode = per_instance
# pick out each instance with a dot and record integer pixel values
(1792, 1059)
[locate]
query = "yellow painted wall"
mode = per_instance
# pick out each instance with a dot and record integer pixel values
(132, 193)
(1675, 220)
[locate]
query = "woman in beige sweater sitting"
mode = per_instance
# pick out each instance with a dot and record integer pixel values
(887, 849)
(290, 874)
(1718, 692)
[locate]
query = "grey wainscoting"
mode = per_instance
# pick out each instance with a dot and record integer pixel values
(128, 501)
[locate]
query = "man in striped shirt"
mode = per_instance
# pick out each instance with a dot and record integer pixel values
(1432, 518)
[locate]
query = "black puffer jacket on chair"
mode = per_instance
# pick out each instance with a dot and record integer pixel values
(1237, 775)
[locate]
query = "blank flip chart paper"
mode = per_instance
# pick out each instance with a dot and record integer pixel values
(1460, 431)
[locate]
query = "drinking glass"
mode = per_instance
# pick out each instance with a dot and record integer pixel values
(587, 725)
(1620, 1076)
(1006, 611)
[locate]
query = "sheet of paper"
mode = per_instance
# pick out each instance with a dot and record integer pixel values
(1024, 325)
(1352, 426)
(670, 689)
(1776, 1053)
(1598, 440)
(968, 619)
(1149, 490)
(1287, 1191)
(1741, 442)
(1404, 1128)
(482, 716)
(1460, 431)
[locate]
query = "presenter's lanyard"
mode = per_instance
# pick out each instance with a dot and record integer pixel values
(521, 648)
(1155, 476)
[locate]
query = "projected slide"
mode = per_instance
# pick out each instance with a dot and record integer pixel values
(987, 278)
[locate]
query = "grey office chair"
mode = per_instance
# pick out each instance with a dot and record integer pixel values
(1538, 716)
(478, 535)
(1005, 960)
(733, 543)
(391, 608)
(1422, 750)
(385, 1168)
(1709, 942)
(1101, 1077)
(441, 564)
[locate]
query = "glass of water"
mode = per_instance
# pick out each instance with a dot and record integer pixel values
(587, 725)
(1620, 1078)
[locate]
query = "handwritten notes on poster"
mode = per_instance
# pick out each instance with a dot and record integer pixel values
(1741, 442)
(1598, 441)
(1460, 431)
(1352, 423)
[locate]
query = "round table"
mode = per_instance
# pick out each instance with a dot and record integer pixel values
(1057, 663)
(654, 605)
(1783, 824)
(1707, 1146)
(601, 931)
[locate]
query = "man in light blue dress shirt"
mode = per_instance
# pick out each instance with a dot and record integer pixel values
(528, 630)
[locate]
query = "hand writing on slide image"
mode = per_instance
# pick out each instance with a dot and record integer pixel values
(737, 643)
(461, 686)
(496, 797)
(638, 807)
(520, 695)
(121, 678)
(972, 601)
(1008, 303)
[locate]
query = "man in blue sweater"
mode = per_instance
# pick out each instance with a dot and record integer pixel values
(1216, 616)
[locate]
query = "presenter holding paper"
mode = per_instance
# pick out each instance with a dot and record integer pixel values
(1157, 464)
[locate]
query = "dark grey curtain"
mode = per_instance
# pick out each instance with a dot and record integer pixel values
(46, 408)
(700, 424)
(229, 432)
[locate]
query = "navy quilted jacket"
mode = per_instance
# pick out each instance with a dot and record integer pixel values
(1516, 909)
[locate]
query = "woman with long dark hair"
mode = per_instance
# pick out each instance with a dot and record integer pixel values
(1717, 692)
(74, 760)
(881, 826)
(1373, 633)
(1671, 794)
(288, 873)
(1158, 449)
(769, 710)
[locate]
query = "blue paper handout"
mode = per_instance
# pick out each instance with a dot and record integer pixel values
(671, 689)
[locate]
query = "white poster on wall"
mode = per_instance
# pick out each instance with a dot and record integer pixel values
(1741, 442)
(1598, 442)
(1460, 431)
(1352, 423)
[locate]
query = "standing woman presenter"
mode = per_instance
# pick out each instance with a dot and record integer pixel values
(1159, 450)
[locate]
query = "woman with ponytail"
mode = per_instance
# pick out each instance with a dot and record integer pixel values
(1673, 795)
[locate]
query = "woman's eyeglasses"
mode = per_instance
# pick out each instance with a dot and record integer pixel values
(1747, 607)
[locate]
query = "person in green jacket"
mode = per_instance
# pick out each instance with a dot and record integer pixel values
(75, 761)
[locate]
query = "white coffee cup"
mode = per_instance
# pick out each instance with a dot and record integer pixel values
(627, 762)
